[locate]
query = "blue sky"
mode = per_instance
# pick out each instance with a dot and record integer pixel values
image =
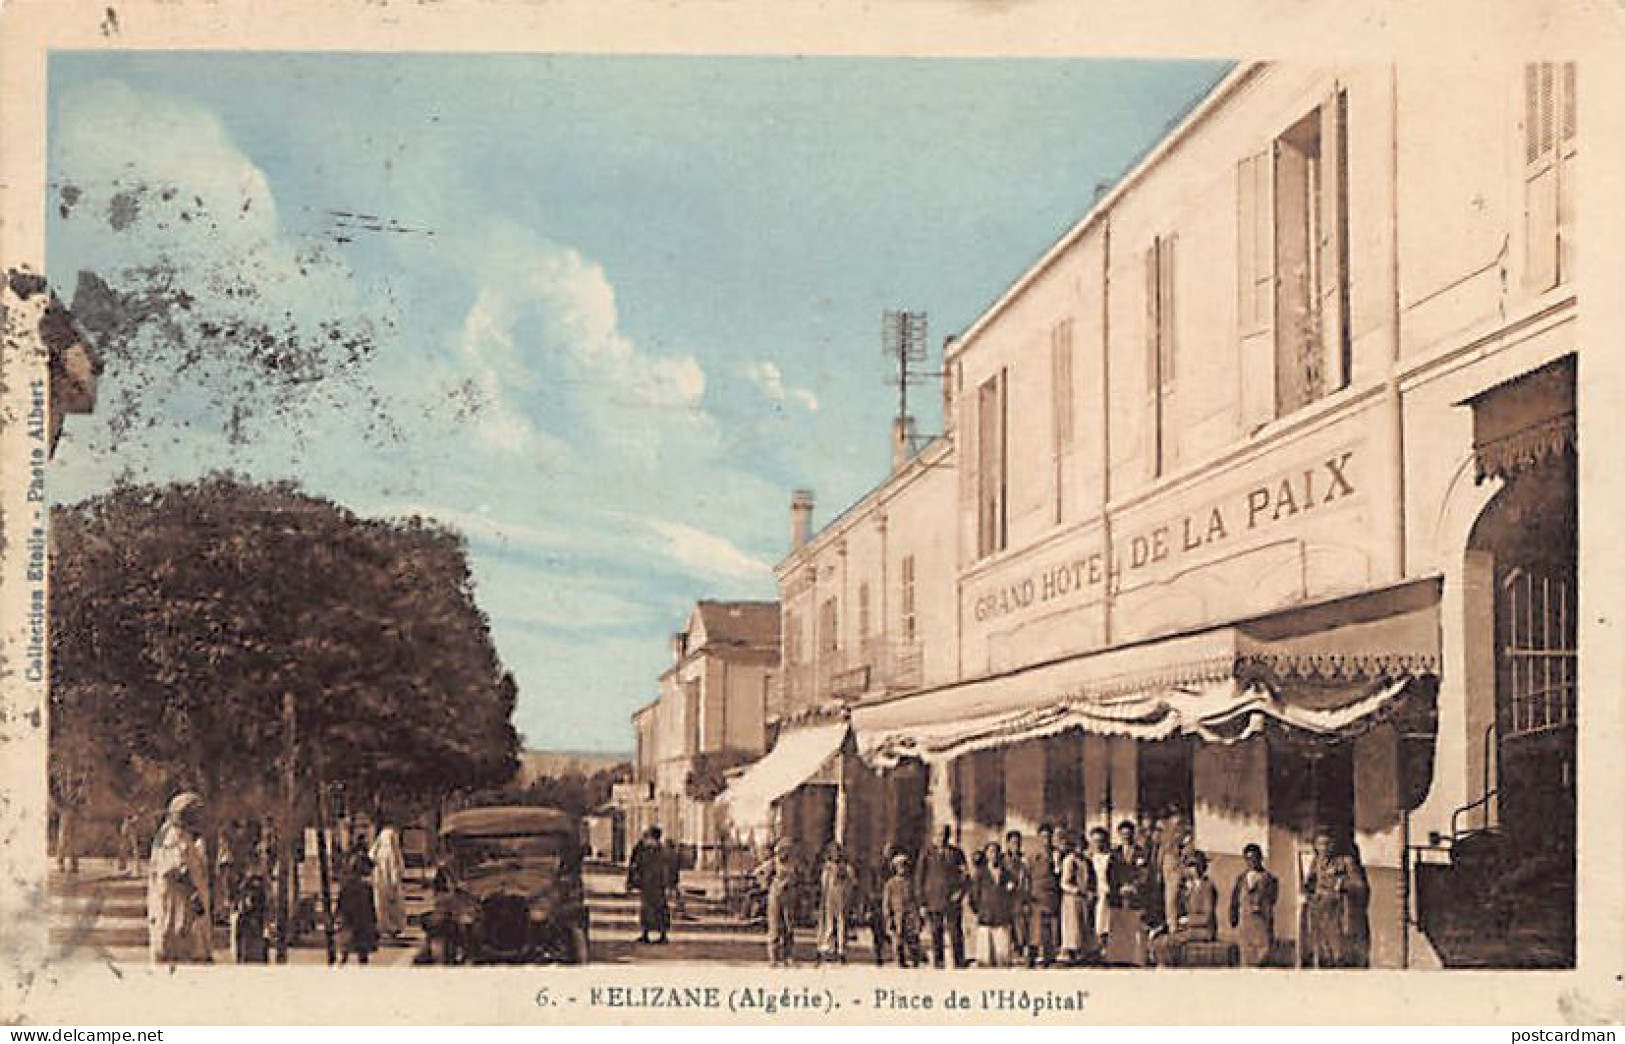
(649, 307)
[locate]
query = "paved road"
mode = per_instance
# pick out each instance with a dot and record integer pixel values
(100, 914)
(702, 932)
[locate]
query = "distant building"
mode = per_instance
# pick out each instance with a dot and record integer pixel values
(711, 717)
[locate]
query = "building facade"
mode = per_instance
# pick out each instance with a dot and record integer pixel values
(1257, 503)
(710, 718)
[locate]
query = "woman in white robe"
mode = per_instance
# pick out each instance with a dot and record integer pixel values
(179, 930)
(1077, 895)
(388, 882)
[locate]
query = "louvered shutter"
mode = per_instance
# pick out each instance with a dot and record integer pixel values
(1566, 172)
(1255, 279)
(1540, 175)
(1166, 342)
(1332, 224)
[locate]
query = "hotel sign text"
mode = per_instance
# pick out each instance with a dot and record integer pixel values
(1264, 506)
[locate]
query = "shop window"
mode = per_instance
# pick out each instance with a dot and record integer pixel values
(1159, 345)
(907, 599)
(1548, 154)
(991, 493)
(1061, 399)
(1292, 264)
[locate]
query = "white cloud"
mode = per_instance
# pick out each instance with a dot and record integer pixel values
(766, 375)
(707, 554)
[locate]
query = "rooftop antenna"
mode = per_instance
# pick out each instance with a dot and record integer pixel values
(904, 339)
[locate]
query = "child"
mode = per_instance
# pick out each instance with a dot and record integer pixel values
(902, 912)
(358, 918)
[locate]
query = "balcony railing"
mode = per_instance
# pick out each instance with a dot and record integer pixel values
(876, 667)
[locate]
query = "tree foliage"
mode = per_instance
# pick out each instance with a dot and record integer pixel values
(575, 792)
(182, 614)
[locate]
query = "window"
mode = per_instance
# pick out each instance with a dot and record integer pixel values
(990, 465)
(1292, 264)
(907, 599)
(693, 707)
(1311, 258)
(1060, 354)
(792, 638)
(863, 610)
(828, 637)
(1548, 140)
(1159, 344)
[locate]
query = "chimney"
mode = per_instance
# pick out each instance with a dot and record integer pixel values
(902, 441)
(801, 508)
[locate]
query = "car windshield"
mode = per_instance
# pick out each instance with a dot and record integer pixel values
(478, 855)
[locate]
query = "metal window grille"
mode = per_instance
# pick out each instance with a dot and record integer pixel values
(1538, 653)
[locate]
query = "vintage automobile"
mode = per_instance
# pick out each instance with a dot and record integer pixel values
(508, 888)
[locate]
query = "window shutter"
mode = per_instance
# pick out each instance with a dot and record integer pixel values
(1166, 342)
(1333, 224)
(1247, 259)
(1565, 174)
(1001, 461)
(1153, 324)
(1061, 375)
(1540, 176)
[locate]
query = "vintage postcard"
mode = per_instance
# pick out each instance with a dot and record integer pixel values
(986, 513)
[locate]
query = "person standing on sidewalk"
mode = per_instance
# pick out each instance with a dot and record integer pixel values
(1021, 899)
(179, 930)
(1044, 888)
(647, 874)
(389, 881)
(837, 885)
(899, 908)
(777, 876)
(941, 880)
(992, 896)
(358, 911)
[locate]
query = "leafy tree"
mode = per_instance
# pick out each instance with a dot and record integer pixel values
(182, 614)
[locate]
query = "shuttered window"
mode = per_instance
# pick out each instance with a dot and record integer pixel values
(1310, 257)
(990, 465)
(1255, 269)
(1160, 348)
(1061, 406)
(907, 599)
(1549, 125)
(828, 621)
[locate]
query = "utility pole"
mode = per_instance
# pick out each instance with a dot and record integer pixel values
(286, 900)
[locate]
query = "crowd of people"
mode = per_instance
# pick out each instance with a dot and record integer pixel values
(187, 894)
(1143, 898)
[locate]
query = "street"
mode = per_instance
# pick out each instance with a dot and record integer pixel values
(100, 914)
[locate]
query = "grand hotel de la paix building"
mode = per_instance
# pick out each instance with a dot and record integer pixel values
(1256, 500)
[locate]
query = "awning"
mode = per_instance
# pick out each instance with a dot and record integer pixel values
(1520, 424)
(797, 756)
(1327, 670)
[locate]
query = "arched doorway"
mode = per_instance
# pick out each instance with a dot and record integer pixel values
(1529, 531)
